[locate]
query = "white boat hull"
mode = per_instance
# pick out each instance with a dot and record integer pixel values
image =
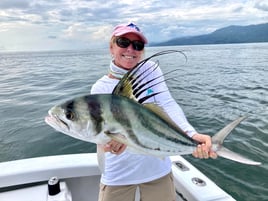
(26, 179)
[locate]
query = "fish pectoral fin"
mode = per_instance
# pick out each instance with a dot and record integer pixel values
(101, 158)
(226, 153)
(117, 137)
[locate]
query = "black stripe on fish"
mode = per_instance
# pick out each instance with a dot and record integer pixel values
(95, 112)
(182, 141)
(69, 106)
(118, 112)
(69, 110)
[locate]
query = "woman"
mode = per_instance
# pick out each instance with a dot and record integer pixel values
(125, 171)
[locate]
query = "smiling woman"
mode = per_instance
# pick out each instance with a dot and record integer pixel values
(127, 46)
(120, 180)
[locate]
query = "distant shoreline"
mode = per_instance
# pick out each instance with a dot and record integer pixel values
(227, 35)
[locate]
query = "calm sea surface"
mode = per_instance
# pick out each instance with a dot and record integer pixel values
(217, 84)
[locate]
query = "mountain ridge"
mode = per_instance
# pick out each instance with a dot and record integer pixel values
(226, 35)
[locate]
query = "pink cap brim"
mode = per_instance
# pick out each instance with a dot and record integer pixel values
(121, 30)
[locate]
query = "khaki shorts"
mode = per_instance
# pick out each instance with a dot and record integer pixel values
(158, 190)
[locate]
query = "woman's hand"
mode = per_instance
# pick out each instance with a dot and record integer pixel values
(114, 147)
(203, 150)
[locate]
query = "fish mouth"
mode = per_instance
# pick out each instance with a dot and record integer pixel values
(56, 122)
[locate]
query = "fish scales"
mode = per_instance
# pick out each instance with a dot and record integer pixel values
(139, 124)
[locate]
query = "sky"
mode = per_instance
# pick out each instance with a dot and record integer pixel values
(34, 25)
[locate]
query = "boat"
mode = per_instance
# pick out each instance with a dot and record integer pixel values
(27, 179)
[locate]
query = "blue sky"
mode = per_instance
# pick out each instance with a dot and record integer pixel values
(30, 25)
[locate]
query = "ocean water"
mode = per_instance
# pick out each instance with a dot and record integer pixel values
(216, 84)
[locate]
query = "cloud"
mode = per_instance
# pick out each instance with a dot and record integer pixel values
(52, 37)
(88, 23)
(14, 4)
(262, 5)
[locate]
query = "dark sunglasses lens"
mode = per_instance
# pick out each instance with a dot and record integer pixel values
(138, 45)
(123, 42)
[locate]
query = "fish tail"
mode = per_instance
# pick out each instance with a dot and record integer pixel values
(218, 139)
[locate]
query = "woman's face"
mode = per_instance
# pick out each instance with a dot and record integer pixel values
(126, 58)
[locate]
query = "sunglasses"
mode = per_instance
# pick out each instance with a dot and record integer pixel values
(125, 42)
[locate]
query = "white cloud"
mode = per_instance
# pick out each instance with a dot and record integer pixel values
(64, 24)
(94, 36)
(262, 5)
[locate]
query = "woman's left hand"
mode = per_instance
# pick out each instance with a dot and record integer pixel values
(114, 147)
(203, 150)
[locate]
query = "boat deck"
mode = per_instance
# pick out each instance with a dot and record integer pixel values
(26, 180)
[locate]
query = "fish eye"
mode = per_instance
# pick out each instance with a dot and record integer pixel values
(70, 115)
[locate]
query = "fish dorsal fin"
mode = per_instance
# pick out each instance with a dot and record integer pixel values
(161, 113)
(133, 83)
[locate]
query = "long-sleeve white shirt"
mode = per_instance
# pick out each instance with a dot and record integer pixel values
(129, 168)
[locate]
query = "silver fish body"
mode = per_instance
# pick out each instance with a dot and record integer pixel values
(124, 117)
(101, 117)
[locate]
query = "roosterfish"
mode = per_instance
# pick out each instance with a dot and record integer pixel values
(124, 116)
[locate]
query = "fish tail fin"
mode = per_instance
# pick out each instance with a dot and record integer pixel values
(226, 153)
(218, 139)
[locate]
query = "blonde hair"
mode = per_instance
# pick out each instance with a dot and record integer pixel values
(112, 41)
